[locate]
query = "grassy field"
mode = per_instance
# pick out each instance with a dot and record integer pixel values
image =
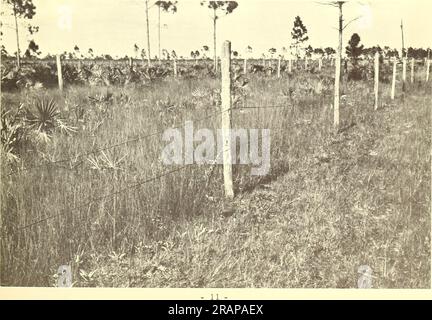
(332, 201)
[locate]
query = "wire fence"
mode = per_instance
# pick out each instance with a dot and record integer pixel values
(135, 139)
(119, 192)
(142, 182)
(98, 199)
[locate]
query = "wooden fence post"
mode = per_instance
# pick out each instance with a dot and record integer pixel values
(337, 91)
(290, 65)
(319, 64)
(412, 70)
(279, 67)
(59, 73)
(245, 66)
(427, 70)
(306, 62)
(175, 67)
(404, 69)
(226, 119)
(130, 62)
(376, 89)
(393, 88)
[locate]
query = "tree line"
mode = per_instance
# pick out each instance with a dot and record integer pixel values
(25, 10)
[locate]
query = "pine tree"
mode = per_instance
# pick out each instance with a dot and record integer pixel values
(354, 50)
(225, 7)
(24, 9)
(299, 34)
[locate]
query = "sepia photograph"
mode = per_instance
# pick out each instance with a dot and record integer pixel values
(216, 144)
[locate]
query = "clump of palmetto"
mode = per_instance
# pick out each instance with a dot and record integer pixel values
(44, 117)
(24, 127)
(106, 161)
(13, 133)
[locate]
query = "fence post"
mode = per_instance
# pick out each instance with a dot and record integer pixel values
(404, 69)
(393, 88)
(226, 118)
(306, 63)
(175, 67)
(279, 67)
(427, 70)
(376, 89)
(412, 70)
(319, 64)
(245, 66)
(290, 65)
(59, 73)
(337, 92)
(130, 62)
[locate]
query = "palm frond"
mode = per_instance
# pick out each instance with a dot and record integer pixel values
(44, 117)
(66, 129)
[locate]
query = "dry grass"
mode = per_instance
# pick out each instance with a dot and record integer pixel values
(331, 203)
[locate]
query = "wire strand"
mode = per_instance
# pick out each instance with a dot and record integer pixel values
(52, 163)
(124, 190)
(138, 138)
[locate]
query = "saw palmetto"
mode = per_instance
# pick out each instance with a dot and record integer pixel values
(44, 117)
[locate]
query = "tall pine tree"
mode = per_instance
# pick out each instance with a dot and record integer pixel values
(299, 35)
(353, 51)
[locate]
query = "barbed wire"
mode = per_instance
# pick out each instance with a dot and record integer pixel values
(97, 199)
(263, 107)
(122, 191)
(138, 138)
(155, 177)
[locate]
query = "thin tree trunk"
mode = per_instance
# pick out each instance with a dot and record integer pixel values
(403, 43)
(17, 40)
(159, 32)
(148, 34)
(338, 71)
(214, 40)
(340, 37)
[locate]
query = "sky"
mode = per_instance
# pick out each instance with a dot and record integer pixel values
(114, 26)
